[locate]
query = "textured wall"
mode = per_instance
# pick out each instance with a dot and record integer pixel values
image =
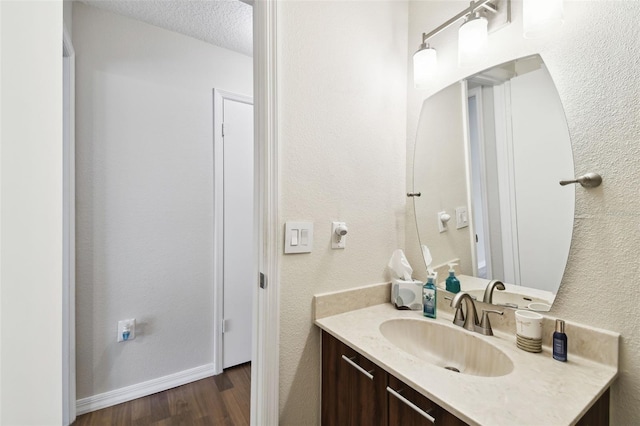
(144, 148)
(342, 111)
(31, 213)
(594, 60)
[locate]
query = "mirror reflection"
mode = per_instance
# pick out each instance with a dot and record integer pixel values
(490, 152)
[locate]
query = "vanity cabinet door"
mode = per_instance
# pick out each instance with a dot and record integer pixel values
(598, 414)
(408, 407)
(353, 388)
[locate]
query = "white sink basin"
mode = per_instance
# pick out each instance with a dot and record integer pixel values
(447, 347)
(501, 297)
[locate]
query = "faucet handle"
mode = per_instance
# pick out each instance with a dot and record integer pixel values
(485, 325)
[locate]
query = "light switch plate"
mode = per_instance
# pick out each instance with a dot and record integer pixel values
(298, 237)
(462, 217)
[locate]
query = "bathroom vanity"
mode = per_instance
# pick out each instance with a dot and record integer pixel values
(355, 391)
(377, 369)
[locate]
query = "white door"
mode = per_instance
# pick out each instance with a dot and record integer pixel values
(478, 184)
(542, 149)
(238, 274)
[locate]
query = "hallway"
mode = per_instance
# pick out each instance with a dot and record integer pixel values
(217, 400)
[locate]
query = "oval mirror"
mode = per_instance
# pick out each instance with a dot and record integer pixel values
(489, 153)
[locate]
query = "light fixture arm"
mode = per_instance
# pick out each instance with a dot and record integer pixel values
(473, 7)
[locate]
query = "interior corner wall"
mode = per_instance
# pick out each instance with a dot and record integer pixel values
(144, 220)
(342, 111)
(442, 181)
(31, 213)
(67, 13)
(594, 61)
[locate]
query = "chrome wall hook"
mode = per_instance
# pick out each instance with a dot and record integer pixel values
(590, 180)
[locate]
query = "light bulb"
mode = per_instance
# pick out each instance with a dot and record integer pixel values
(541, 17)
(472, 40)
(425, 65)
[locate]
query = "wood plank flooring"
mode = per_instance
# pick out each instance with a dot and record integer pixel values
(217, 400)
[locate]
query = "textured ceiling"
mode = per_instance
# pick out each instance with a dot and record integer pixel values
(225, 23)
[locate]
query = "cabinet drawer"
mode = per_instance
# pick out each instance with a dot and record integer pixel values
(408, 407)
(353, 387)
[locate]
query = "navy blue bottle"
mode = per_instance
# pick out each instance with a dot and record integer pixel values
(560, 342)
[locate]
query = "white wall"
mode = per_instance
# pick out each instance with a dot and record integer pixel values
(31, 213)
(441, 178)
(342, 107)
(144, 146)
(594, 61)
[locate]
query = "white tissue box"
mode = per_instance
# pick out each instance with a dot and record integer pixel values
(407, 294)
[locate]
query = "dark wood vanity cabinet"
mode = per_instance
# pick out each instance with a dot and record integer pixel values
(409, 407)
(598, 414)
(355, 391)
(353, 388)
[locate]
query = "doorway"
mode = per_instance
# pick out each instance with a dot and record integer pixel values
(482, 268)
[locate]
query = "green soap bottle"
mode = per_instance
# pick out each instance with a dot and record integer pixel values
(452, 283)
(429, 298)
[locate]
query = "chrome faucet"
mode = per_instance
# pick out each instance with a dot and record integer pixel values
(488, 292)
(470, 320)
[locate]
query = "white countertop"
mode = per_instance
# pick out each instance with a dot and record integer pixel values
(539, 390)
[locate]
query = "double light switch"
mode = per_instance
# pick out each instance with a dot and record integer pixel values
(298, 237)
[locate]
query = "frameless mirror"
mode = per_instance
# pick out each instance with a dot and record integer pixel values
(490, 152)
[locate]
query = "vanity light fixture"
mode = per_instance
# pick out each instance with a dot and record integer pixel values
(539, 17)
(425, 65)
(472, 38)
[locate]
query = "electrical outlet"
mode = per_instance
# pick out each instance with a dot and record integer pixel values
(124, 326)
(338, 235)
(443, 219)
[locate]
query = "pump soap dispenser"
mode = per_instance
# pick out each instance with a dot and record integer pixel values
(453, 284)
(429, 298)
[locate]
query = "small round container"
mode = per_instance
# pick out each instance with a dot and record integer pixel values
(539, 307)
(529, 324)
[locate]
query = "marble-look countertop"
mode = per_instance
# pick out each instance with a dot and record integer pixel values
(539, 390)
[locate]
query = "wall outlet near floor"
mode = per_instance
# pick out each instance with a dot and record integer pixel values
(126, 330)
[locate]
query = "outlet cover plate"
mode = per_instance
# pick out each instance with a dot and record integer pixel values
(442, 226)
(132, 329)
(337, 242)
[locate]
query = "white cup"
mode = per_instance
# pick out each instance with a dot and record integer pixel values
(529, 324)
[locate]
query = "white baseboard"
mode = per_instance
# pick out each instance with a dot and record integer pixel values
(128, 393)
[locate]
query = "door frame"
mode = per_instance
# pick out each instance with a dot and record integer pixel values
(506, 173)
(266, 329)
(477, 93)
(69, 249)
(219, 96)
(265, 339)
